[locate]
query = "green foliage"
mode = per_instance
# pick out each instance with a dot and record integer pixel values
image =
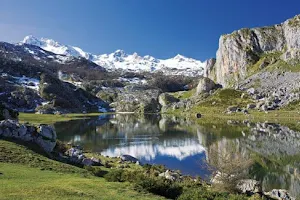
(115, 175)
(264, 60)
(19, 181)
(295, 105)
(294, 22)
(203, 194)
(184, 94)
(159, 186)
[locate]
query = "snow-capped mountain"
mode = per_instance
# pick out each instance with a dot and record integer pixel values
(119, 60)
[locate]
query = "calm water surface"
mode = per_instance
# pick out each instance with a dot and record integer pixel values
(189, 147)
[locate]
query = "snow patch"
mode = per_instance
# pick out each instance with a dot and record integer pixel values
(31, 83)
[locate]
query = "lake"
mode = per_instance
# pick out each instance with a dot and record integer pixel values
(184, 145)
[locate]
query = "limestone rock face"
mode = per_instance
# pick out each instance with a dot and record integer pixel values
(208, 70)
(249, 186)
(243, 48)
(205, 85)
(279, 194)
(45, 136)
(138, 100)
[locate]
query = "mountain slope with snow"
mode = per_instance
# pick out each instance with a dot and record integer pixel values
(119, 60)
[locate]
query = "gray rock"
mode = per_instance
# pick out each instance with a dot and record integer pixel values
(251, 106)
(232, 109)
(251, 91)
(45, 144)
(249, 186)
(170, 175)
(205, 85)
(87, 162)
(47, 132)
(22, 131)
(128, 158)
(74, 152)
(241, 48)
(279, 194)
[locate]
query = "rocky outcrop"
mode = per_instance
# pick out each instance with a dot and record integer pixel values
(7, 113)
(44, 135)
(205, 85)
(138, 100)
(209, 69)
(249, 186)
(279, 194)
(243, 48)
(75, 156)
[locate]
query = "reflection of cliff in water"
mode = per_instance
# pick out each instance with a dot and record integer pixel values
(275, 150)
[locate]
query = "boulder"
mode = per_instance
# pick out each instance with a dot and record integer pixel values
(46, 138)
(249, 186)
(279, 194)
(232, 109)
(87, 162)
(198, 115)
(45, 144)
(129, 158)
(251, 106)
(47, 132)
(205, 85)
(173, 176)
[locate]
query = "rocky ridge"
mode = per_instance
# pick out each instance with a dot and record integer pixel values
(243, 48)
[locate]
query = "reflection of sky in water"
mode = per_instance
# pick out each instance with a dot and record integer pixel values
(185, 147)
(149, 150)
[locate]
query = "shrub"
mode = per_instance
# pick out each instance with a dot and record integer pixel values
(96, 171)
(114, 175)
(203, 194)
(159, 186)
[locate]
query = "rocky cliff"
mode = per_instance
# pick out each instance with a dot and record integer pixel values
(242, 49)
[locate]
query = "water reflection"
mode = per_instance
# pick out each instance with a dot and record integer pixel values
(187, 146)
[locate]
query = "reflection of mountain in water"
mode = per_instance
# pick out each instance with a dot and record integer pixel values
(181, 143)
(274, 148)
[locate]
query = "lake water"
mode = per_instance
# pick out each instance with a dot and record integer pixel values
(184, 145)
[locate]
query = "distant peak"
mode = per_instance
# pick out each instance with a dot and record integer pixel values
(178, 56)
(119, 53)
(29, 39)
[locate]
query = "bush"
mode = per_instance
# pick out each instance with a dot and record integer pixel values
(203, 194)
(96, 171)
(159, 186)
(142, 182)
(115, 175)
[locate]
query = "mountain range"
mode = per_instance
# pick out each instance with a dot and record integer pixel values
(120, 60)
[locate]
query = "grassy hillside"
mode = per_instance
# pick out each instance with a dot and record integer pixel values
(26, 174)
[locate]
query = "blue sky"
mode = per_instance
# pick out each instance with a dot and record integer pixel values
(161, 28)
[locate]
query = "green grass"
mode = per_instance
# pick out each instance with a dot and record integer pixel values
(218, 102)
(184, 94)
(26, 174)
(50, 119)
(22, 182)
